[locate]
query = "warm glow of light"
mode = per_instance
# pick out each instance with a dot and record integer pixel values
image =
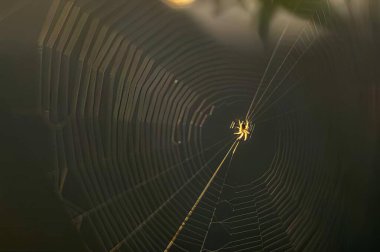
(179, 3)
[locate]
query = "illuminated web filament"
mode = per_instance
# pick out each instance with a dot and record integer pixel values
(171, 242)
(243, 130)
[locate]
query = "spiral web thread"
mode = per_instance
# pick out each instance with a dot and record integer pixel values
(127, 128)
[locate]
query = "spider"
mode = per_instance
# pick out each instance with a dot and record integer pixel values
(243, 130)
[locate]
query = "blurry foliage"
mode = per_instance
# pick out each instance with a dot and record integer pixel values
(317, 11)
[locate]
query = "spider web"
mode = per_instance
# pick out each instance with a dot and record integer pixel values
(126, 105)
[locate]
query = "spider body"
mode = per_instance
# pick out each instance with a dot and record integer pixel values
(243, 130)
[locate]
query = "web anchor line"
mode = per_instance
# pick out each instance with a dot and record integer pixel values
(218, 200)
(201, 196)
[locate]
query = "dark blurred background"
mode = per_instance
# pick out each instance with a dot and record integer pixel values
(338, 98)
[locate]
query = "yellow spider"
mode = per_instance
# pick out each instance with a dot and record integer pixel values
(243, 130)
